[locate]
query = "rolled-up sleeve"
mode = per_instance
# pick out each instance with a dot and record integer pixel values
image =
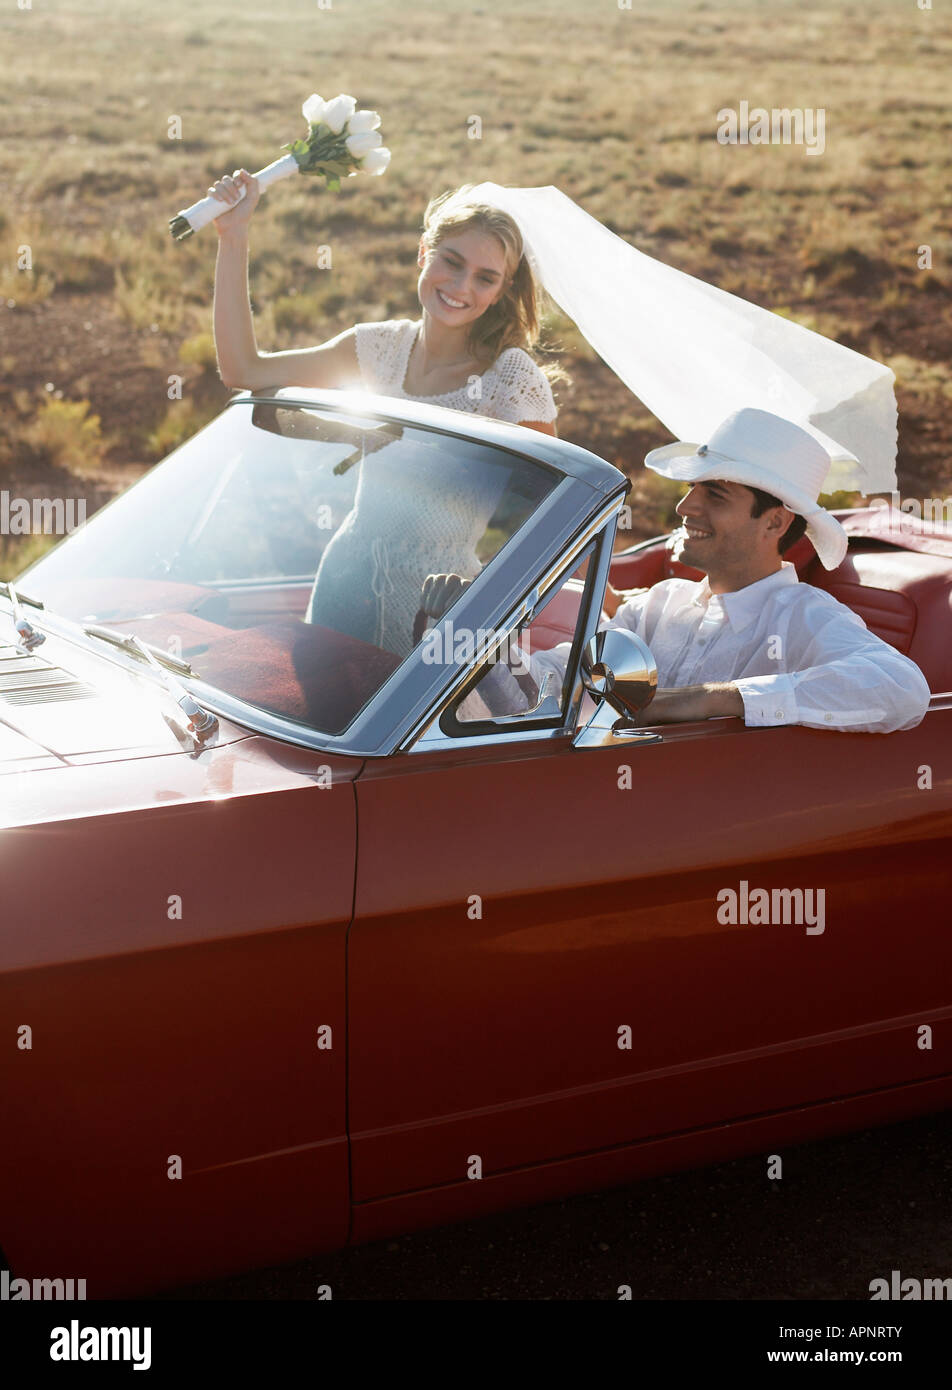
(848, 679)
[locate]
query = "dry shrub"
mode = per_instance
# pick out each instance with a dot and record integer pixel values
(199, 351)
(20, 288)
(181, 420)
(64, 434)
(146, 303)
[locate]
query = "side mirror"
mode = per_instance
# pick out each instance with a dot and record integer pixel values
(620, 674)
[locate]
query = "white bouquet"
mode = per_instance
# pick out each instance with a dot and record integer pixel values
(341, 141)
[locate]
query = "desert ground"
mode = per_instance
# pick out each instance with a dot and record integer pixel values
(119, 112)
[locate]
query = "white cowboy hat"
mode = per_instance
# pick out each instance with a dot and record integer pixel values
(767, 452)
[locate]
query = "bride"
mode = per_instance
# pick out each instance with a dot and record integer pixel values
(469, 350)
(690, 352)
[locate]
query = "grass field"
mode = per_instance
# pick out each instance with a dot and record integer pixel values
(615, 106)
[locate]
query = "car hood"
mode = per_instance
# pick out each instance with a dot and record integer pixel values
(65, 703)
(84, 734)
(94, 737)
(57, 726)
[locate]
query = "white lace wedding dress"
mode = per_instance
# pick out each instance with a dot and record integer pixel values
(425, 517)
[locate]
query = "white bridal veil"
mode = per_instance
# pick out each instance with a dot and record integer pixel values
(693, 354)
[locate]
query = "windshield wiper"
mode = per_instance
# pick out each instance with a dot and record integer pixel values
(137, 647)
(201, 721)
(28, 636)
(24, 598)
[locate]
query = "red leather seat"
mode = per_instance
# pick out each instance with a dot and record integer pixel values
(558, 619)
(902, 596)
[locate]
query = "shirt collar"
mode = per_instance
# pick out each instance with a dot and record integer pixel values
(744, 605)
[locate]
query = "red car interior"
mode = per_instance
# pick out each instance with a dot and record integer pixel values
(258, 649)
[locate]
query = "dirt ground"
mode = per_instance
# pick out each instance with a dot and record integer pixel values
(621, 117)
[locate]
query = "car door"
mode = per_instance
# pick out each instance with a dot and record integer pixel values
(544, 960)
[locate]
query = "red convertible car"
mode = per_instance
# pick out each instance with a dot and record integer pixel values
(304, 943)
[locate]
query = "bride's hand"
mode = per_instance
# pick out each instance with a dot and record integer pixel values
(440, 591)
(228, 189)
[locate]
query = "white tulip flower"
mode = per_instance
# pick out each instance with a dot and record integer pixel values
(363, 120)
(338, 112)
(340, 142)
(376, 161)
(362, 143)
(313, 109)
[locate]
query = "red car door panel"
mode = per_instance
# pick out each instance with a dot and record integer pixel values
(497, 1035)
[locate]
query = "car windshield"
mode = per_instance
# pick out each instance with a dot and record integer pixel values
(282, 551)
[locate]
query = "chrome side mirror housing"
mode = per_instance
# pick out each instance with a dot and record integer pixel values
(620, 674)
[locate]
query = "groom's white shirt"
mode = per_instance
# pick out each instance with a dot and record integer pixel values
(796, 654)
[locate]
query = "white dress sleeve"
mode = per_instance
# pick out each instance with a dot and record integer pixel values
(520, 389)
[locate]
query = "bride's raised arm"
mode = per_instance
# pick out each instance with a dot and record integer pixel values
(241, 365)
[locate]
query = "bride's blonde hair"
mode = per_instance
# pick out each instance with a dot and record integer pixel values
(514, 320)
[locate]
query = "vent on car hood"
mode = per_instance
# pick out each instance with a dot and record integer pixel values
(67, 690)
(29, 680)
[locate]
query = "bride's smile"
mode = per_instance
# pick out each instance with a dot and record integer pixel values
(461, 277)
(453, 303)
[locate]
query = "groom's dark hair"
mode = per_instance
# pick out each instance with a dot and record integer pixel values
(764, 500)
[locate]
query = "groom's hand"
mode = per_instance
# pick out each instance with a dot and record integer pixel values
(617, 598)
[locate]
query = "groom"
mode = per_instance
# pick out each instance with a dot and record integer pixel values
(749, 639)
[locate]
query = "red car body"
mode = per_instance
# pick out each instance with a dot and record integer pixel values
(396, 997)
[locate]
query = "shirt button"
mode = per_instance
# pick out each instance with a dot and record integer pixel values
(828, 718)
(778, 714)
